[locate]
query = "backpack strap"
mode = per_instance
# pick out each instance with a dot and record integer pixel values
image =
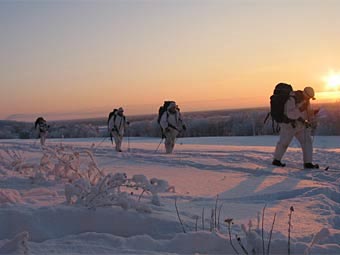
(114, 122)
(167, 115)
(286, 119)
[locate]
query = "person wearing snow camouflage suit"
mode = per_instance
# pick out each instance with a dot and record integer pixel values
(117, 126)
(172, 124)
(42, 129)
(302, 121)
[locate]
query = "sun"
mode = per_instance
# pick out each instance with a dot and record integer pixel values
(332, 81)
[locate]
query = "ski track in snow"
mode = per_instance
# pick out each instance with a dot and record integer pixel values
(242, 176)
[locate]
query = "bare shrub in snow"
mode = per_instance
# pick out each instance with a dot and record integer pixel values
(115, 190)
(254, 236)
(290, 226)
(56, 163)
(229, 223)
(12, 160)
(86, 184)
(9, 196)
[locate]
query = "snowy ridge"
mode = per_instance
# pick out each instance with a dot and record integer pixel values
(200, 169)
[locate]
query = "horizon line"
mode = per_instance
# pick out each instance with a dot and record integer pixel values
(32, 117)
(13, 117)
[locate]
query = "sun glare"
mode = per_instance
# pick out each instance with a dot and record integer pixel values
(332, 81)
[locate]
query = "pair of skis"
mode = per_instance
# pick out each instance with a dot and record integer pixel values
(322, 169)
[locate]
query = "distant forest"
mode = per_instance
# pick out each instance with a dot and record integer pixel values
(242, 122)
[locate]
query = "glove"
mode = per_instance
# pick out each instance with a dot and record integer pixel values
(128, 123)
(301, 120)
(316, 111)
(303, 107)
(167, 129)
(184, 127)
(305, 122)
(308, 124)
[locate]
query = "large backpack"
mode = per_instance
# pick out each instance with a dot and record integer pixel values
(38, 121)
(114, 112)
(277, 102)
(41, 123)
(162, 109)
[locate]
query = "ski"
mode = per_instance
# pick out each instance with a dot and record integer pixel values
(326, 169)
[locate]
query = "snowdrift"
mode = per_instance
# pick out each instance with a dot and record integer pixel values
(223, 190)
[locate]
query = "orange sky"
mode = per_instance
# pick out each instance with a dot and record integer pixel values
(87, 57)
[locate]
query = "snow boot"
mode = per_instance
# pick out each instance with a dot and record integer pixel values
(278, 163)
(311, 166)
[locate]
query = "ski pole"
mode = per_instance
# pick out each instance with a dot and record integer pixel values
(100, 143)
(159, 145)
(128, 137)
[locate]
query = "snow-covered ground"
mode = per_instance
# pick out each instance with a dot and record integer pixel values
(35, 218)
